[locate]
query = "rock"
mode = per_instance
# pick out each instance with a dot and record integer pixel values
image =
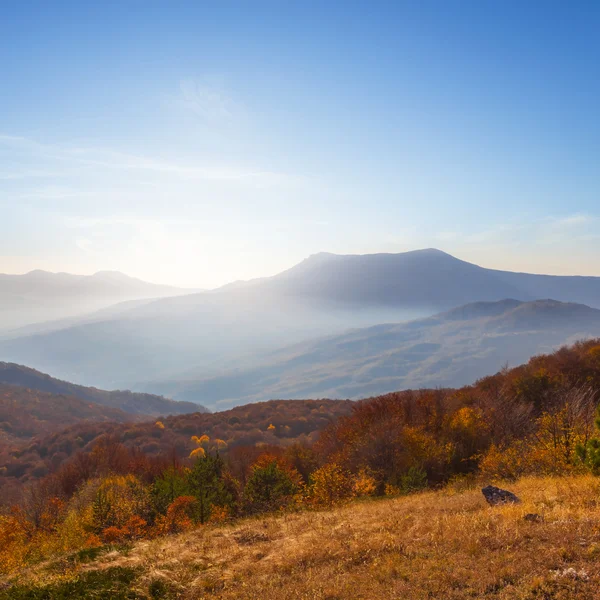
(495, 495)
(533, 518)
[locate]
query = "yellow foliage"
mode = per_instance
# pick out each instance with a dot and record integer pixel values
(159, 425)
(506, 463)
(198, 452)
(392, 490)
(468, 421)
(13, 543)
(330, 485)
(364, 484)
(424, 449)
(271, 427)
(118, 499)
(21, 543)
(550, 451)
(200, 440)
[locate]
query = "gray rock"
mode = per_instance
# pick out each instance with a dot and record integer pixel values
(495, 496)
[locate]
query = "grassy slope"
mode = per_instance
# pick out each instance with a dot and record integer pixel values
(444, 544)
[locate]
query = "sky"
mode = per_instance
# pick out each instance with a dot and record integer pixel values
(197, 143)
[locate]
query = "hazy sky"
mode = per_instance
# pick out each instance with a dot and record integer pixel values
(195, 143)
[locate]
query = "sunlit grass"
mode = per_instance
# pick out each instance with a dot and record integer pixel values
(446, 544)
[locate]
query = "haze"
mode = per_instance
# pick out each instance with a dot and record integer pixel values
(299, 299)
(197, 144)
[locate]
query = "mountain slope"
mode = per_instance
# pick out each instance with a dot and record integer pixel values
(41, 296)
(129, 402)
(449, 349)
(25, 413)
(325, 294)
(428, 278)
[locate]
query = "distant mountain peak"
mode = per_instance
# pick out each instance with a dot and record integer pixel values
(423, 251)
(39, 273)
(113, 276)
(431, 251)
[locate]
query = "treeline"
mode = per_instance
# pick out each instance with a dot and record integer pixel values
(538, 418)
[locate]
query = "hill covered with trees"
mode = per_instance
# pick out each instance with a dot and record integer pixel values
(274, 423)
(26, 413)
(130, 402)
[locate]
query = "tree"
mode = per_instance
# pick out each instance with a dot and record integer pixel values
(207, 485)
(303, 458)
(171, 484)
(588, 450)
(272, 484)
(118, 498)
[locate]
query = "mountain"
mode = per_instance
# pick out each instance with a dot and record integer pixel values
(103, 314)
(447, 350)
(126, 401)
(429, 278)
(423, 278)
(25, 413)
(326, 294)
(41, 296)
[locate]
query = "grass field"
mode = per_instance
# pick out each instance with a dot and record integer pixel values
(446, 544)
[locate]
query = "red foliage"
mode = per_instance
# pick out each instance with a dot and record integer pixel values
(141, 448)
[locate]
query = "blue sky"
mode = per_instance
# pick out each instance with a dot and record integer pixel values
(195, 143)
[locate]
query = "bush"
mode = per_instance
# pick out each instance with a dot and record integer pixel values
(330, 485)
(180, 515)
(118, 500)
(272, 484)
(414, 480)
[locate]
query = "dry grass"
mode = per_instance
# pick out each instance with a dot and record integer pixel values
(432, 545)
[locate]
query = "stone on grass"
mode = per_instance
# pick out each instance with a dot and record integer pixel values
(495, 496)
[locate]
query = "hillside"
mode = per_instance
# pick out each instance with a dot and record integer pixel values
(511, 399)
(26, 413)
(42, 296)
(447, 544)
(292, 421)
(324, 295)
(338, 512)
(448, 350)
(129, 402)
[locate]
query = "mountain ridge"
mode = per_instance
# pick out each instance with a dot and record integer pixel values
(133, 403)
(447, 350)
(40, 296)
(325, 294)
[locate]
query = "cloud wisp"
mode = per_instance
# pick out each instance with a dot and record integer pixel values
(116, 160)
